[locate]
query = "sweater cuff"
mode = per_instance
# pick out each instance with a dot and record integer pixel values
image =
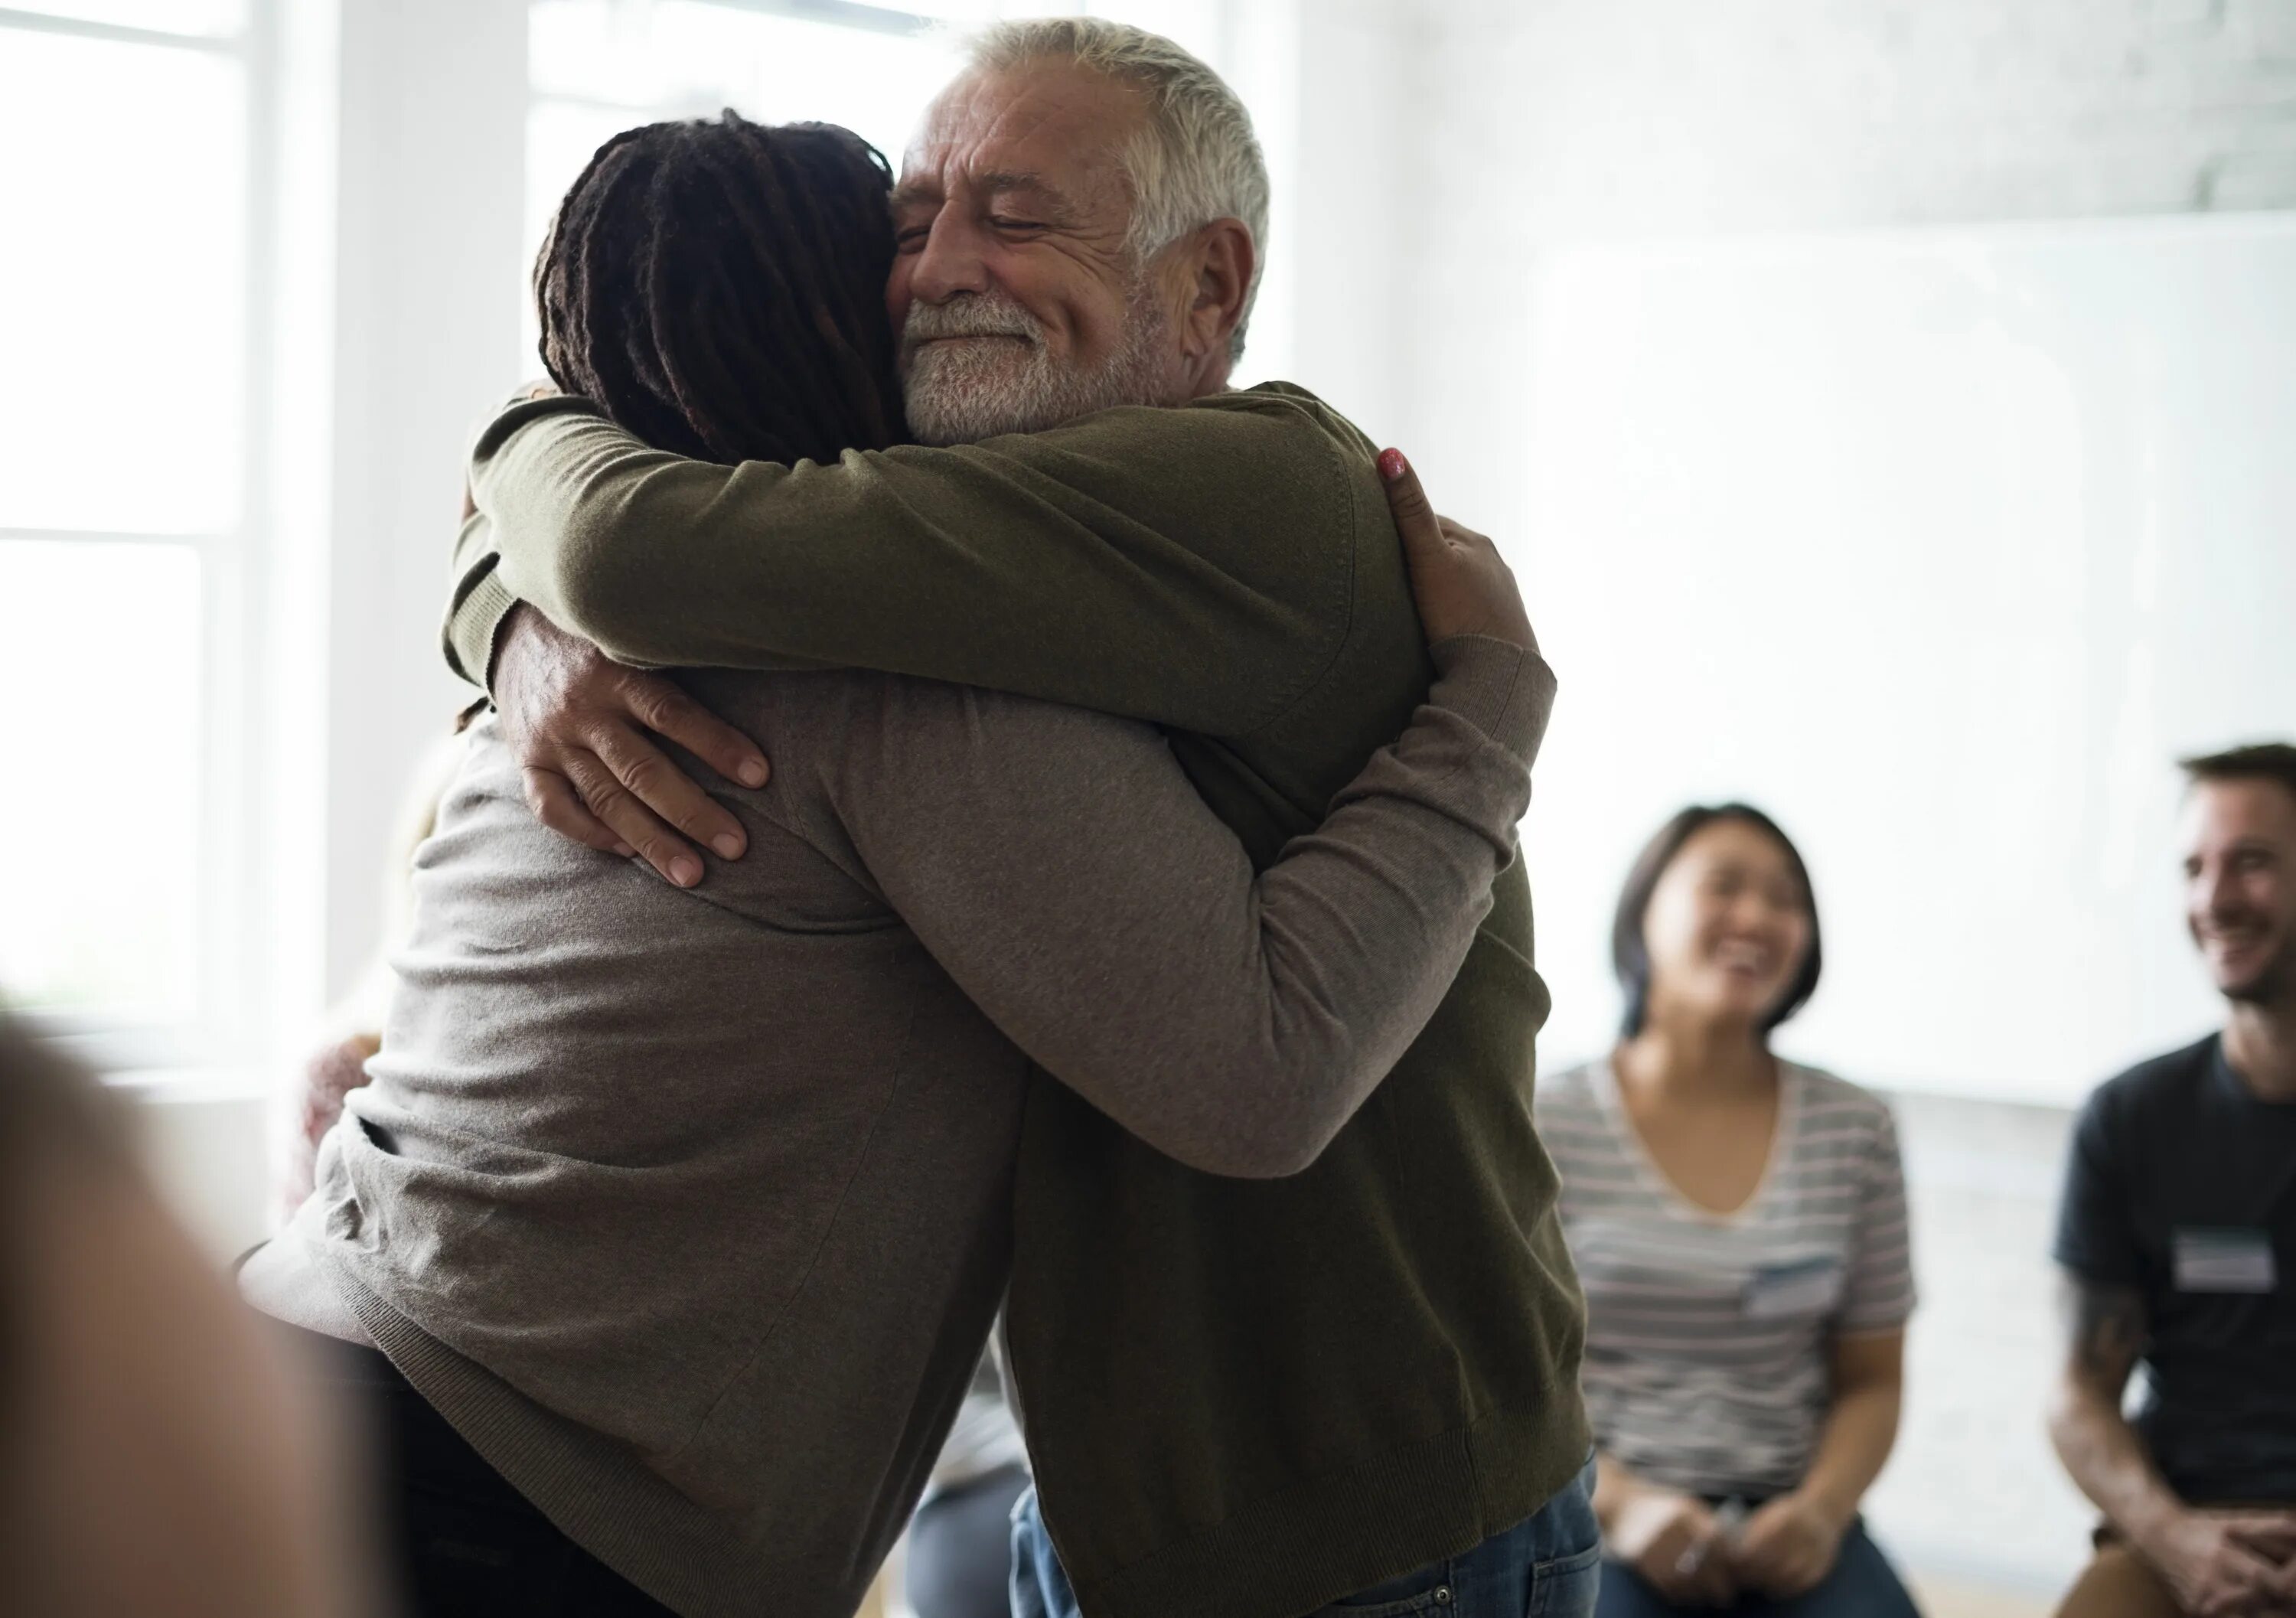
(1505, 691)
(472, 626)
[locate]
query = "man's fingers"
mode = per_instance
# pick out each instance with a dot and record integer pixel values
(555, 803)
(1414, 518)
(2279, 1578)
(2271, 1532)
(662, 706)
(636, 825)
(668, 791)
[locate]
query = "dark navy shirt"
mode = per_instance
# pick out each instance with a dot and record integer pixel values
(2182, 1184)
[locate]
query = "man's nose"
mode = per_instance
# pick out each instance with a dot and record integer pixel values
(2222, 899)
(951, 262)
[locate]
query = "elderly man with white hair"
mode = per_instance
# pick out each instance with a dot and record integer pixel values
(1253, 1385)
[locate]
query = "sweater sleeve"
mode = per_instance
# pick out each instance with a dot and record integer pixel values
(1063, 871)
(1192, 566)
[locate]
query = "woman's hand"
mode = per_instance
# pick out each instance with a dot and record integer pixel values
(1788, 1546)
(1677, 1545)
(1461, 584)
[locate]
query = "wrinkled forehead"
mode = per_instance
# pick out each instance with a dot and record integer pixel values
(1056, 127)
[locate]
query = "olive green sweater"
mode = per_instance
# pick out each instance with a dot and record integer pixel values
(1243, 1398)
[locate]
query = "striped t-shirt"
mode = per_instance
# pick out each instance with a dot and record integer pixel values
(1708, 1337)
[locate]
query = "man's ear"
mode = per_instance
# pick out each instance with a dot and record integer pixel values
(1227, 260)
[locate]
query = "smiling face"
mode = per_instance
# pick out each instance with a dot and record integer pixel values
(1017, 294)
(2240, 887)
(1727, 927)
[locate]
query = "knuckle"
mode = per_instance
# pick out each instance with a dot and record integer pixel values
(647, 776)
(598, 789)
(656, 709)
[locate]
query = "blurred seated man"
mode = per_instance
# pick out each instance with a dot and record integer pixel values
(2178, 1237)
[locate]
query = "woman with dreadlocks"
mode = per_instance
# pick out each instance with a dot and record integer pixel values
(718, 290)
(662, 1245)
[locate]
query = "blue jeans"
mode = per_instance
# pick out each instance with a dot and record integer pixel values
(960, 1560)
(1861, 1585)
(1545, 1566)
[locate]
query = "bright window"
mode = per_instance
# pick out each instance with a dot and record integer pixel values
(599, 67)
(123, 505)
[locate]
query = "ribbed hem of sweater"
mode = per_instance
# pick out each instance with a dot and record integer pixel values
(473, 624)
(598, 1494)
(1387, 1516)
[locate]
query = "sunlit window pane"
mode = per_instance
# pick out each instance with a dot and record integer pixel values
(100, 652)
(205, 18)
(685, 58)
(120, 358)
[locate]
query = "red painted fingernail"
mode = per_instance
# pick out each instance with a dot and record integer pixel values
(1391, 464)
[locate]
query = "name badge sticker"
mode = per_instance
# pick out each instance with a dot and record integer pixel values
(2223, 1259)
(1811, 1287)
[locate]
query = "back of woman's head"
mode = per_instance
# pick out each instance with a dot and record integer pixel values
(718, 289)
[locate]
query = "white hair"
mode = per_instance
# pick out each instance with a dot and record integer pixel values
(1196, 160)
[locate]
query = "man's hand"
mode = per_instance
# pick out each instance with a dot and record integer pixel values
(1461, 584)
(2271, 1534)
(1676, 1545)
(2227, 1565)
(1787, 1546)
(582, 727)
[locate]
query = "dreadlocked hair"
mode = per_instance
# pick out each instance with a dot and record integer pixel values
(718, 290)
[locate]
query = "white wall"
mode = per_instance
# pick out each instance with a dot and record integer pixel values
(1941, 545)
(432, 96)
(1666, 348)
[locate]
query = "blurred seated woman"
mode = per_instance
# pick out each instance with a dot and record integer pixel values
(1739, 1223)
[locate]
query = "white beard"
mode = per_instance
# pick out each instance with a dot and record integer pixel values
(1004, 379)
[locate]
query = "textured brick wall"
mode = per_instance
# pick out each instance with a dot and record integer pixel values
(1974, 1492)
(1532, 121)
(1689, 115)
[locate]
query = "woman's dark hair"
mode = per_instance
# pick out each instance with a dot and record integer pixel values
(719, 290)
(1630, 955)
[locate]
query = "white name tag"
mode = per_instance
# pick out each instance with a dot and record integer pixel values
(2224, 1260)
(1810, 1287)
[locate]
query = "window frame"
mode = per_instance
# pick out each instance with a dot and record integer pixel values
(217, 1028)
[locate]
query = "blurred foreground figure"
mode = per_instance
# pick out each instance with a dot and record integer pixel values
(154, 1459)
(1739, 1225)
(2177, 1238)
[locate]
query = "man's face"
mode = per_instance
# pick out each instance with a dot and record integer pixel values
(2239, 886)
(1019, 301)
